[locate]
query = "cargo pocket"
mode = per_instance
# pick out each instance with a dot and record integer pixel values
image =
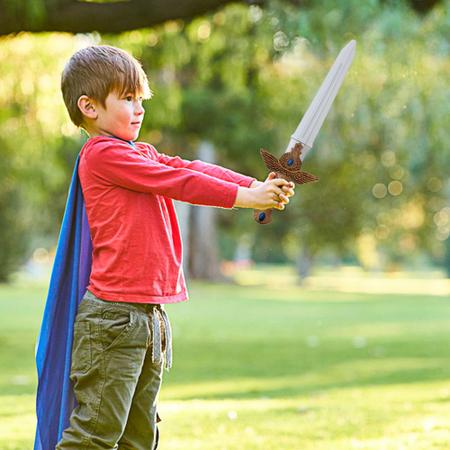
(81, 351)
(115, 326)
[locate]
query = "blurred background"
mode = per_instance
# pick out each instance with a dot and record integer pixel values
(357, 264)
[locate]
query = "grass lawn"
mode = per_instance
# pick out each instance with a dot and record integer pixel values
(275, 368)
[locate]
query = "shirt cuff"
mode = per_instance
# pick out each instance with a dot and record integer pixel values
(249, 181)
(232, 196)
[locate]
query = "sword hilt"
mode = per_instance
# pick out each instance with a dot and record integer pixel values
(282, 168)
(289, 167)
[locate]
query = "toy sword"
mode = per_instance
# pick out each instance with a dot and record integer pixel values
(289, 165)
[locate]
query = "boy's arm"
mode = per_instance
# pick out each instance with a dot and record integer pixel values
(117, 164)
(212, 170)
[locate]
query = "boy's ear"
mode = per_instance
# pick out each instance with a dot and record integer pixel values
(87, 107)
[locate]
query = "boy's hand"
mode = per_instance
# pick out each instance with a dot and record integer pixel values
(267, 195)
(287, 190)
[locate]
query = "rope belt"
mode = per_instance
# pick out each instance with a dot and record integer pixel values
(160, 321)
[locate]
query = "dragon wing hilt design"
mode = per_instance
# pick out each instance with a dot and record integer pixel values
(288, 166)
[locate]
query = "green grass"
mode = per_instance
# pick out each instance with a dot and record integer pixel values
(273, 368)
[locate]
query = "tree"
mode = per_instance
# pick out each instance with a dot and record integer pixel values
(37, 157)
(241, 78)
(234, 78)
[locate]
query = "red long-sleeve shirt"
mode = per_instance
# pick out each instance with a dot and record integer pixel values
(137, 248)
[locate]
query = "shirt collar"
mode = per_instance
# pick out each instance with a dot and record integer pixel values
(124, 140)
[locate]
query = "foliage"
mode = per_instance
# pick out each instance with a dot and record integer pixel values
(37, 157)
(31, 11)
(241, 78)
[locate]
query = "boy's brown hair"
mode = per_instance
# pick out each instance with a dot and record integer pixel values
(98, 70)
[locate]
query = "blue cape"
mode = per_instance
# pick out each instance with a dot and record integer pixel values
(55, 399)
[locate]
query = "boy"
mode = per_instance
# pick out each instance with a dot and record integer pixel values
(122, 331)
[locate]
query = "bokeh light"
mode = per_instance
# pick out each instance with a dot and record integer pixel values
(379, 190)
(388, 158)
(395, 188)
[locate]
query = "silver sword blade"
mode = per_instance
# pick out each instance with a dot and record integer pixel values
(312, 121)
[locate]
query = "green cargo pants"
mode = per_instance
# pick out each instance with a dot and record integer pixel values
(117, 367)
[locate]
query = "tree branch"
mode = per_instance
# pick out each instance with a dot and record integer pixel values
(81, 16)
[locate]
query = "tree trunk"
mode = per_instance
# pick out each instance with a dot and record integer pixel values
(243, 253)
(304, 264)
(183, 213)
(203, 239)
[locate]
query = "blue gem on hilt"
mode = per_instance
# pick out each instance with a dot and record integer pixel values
(262, 216)
(290, 162)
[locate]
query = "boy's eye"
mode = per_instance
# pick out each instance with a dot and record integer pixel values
(130, 98)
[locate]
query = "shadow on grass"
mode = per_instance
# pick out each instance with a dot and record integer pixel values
(264, 369)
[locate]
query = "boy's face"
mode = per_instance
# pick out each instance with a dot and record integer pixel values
(122, 117)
